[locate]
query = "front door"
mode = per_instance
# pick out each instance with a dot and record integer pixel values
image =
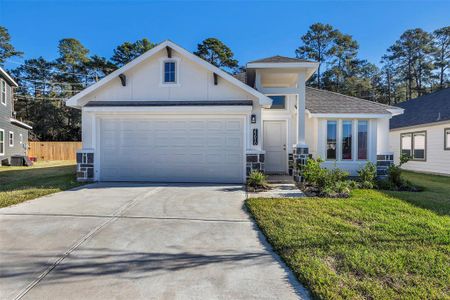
(275, 147)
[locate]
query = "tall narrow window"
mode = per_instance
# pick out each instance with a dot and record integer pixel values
(363, 128)
(406, 144)
(11, 139)
(2, 142)
(169, 72)
(447, 139)
(3, 92)
(419, 145)
(331, 139)
(21, 139)
(346, 139)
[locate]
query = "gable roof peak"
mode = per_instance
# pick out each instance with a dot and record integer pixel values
(279, 59)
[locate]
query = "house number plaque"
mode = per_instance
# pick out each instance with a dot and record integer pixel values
(255, 136)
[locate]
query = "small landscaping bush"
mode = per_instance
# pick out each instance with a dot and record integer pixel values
(257, 181)
(395, 181)
(323, 182)
(368, 176)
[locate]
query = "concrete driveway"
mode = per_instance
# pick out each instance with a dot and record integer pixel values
(139, 241)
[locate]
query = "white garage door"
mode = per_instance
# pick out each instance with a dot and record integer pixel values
(172, 149)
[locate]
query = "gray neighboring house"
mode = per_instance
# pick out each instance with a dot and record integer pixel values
(13, 133)
(423, 133)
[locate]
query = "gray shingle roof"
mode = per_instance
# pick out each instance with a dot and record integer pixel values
(279, 59)
(431, 108)
(326, 102)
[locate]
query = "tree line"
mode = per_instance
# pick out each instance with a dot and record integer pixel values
(416, 64)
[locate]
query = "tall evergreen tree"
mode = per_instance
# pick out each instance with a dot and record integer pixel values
(217, 53)
(128, 51)
(98, 67)
(442, 54)
(411, 55)
(318, 45)
(7, 50)
(342, 60)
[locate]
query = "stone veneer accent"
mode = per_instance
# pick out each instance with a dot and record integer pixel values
(255, 162)
(85, 165)
(299, 157)
(384, 161)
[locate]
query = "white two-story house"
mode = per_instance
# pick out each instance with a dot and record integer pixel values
(170, 116)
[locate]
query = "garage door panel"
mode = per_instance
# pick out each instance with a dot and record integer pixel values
(174, 150)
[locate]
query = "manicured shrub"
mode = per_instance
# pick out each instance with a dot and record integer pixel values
(257, 180)
(325, 182)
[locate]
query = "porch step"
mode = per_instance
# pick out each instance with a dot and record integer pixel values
(279, 179)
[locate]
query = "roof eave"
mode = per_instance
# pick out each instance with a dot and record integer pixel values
(8, 78)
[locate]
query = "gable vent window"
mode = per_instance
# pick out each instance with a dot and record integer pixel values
(170, 72)
(3, 92)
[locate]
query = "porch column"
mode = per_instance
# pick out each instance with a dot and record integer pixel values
(300, 152)
(301, 99)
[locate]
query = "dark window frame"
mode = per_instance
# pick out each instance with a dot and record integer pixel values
(413, 133)
(446, 146)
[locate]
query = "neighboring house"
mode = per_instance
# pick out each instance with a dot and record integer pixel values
(423, 133)
(170, 116)
(13, 133)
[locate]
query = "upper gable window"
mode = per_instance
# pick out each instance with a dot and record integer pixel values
(278, 102)
(170, 72)
(3, 92)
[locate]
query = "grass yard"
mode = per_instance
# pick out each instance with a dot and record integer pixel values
(374, 245)
(18, 184)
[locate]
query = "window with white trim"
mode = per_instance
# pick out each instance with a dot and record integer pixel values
(2, 142)
(413, 145)
(347, 139)
(21, 139)
(363, 129)
(11, 139)
(3, 92)
(170, 72)
(331, 140)
(447, 139)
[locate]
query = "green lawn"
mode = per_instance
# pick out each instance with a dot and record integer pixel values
(374, 245)
(18, 184)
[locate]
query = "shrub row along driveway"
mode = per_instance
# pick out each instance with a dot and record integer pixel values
(132, 241)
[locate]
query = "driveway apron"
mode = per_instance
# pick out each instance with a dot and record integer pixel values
(139, 241)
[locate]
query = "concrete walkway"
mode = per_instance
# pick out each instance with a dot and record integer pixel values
(281, 186)
(139, 241)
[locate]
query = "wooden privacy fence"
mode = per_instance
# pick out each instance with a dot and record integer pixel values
(54, 150)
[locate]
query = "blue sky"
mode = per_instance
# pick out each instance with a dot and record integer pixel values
(252, 29)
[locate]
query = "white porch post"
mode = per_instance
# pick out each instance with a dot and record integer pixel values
(301, 99)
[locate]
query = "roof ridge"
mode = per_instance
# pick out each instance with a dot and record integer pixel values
(419, 98)
(354, 98)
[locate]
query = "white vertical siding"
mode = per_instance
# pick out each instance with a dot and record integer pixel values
(437, 159)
